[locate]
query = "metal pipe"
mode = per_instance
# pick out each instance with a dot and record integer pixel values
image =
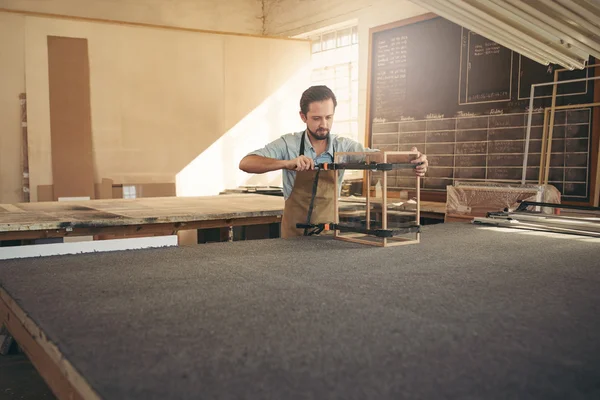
(540, 20)
(558, 24)
(500, 26)
(562, 10)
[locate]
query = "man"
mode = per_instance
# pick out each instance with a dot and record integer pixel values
(298, 153)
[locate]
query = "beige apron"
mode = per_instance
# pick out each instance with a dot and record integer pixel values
(296, 206)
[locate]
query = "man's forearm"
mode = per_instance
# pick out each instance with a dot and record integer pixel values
(258, 165)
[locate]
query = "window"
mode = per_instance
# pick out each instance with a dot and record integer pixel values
(335, 64)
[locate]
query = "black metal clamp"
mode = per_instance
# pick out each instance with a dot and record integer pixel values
(315, 229)
(373, 166)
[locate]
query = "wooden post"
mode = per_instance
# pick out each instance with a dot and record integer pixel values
(418, 221)
(551, 129)
(368, 202)
(384, 224)
(24, 150)
(336, 216)
(543, 149)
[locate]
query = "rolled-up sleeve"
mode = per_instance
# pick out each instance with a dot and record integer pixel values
(276, 149)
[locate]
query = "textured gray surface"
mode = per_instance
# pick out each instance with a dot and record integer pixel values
(467, 314)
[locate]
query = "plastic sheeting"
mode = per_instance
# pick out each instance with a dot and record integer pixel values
(465, 201)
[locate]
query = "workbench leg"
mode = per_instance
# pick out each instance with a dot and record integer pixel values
(230, 234)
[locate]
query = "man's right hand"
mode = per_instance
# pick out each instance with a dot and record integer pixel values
(301, 163)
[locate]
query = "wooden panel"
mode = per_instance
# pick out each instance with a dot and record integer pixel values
(70, 117)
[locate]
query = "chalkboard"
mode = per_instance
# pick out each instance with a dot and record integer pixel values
(462, 99)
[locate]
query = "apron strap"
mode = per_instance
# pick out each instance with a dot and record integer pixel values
(314, 189)
(302, 143)
(312, 200)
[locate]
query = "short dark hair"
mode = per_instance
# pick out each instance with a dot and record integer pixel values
(316, 93)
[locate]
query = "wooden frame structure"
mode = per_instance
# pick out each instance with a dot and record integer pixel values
(366, 238)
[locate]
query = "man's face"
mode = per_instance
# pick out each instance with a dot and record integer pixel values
(319, 118)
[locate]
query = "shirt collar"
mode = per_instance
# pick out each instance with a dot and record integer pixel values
(308, 144)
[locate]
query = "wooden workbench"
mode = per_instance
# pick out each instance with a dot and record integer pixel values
(161, 215)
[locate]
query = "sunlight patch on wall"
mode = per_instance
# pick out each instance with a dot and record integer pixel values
(216, 168)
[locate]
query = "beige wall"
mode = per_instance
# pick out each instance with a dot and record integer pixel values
(12, 82)
(167, 106)
(231, 15)
(297, 17)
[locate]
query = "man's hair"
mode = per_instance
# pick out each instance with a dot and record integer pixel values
(316, 93)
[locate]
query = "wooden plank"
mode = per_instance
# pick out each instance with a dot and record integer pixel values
(70, 117)
(60, 375)
(458, 218)
(360, 241)
(402, 241)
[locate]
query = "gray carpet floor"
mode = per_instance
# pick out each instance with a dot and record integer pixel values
(469, 313)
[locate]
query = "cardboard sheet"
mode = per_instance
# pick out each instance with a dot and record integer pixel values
(70, 117)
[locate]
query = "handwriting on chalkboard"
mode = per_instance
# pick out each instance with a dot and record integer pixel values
(434, 116)
(488, 96)
(486, 49)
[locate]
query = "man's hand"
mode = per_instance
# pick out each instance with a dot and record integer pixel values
(422, 160)
(301, 163)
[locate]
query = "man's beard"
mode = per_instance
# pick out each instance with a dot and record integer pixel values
(320, 134)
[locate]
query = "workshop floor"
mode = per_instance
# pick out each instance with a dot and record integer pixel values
(20, 380)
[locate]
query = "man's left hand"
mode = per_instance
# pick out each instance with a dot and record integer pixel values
(420, 169)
